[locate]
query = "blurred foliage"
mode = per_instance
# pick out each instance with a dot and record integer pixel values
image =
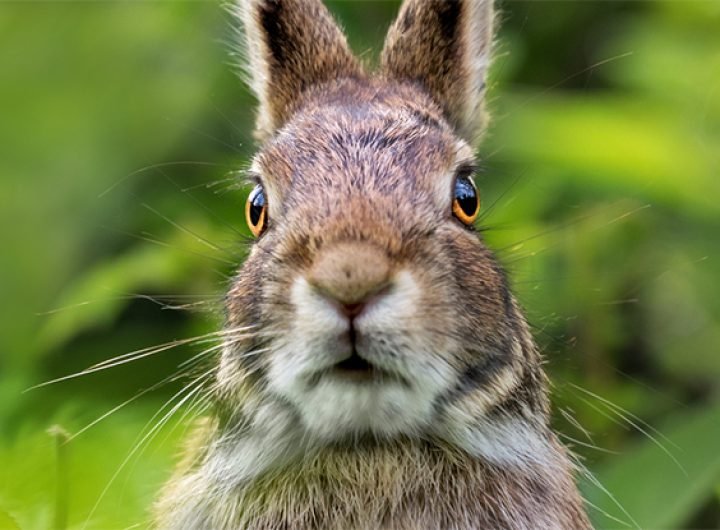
(122, 128)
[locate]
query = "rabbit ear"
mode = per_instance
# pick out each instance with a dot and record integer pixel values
(291, 45)
(445, 46)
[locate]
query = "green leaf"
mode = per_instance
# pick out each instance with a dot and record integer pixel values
(98, 297)
(7, 522)
(658, 490)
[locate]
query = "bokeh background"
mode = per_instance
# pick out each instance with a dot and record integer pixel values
(122, 130)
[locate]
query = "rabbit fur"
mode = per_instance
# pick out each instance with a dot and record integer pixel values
(358, 169)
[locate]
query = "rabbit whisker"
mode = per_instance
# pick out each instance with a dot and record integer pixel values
(147, 437)
(197, 236)
(139, 354)
(590, 476)
(155, 166)
(627, 423)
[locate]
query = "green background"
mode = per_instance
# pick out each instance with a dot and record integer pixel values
(122, 130)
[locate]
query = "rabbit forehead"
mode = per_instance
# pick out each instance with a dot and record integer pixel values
(369, 138)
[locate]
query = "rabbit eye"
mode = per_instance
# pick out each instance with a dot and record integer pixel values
(466, 201)
(256, 211)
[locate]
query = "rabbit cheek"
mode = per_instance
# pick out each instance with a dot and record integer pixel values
(243, 351)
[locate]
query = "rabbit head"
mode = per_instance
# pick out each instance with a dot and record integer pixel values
(375, 307)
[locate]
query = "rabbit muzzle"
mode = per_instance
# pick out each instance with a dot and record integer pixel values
(348, 363)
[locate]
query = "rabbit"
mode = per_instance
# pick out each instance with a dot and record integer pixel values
(376, 372)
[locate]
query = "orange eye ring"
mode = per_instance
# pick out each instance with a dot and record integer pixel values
(256, 211)
(466, 201)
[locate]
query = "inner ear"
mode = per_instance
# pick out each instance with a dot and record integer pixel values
(444, 45)
(292, 46)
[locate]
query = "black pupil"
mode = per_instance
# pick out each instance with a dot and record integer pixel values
(466, 196)
(257, 205)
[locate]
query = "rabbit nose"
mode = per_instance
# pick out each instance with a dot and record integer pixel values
(350, 274)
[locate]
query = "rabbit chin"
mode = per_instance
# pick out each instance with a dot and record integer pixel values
(335, 404)
(335, 410)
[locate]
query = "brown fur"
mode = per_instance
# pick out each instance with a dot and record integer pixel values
(367, 164)
(406, 485)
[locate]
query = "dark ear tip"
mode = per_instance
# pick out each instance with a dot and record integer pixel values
(291, 45)
(445, 46)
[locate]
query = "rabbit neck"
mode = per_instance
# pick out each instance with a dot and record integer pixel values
(368, 485)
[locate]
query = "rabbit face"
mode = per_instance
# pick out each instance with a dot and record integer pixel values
(377, 307)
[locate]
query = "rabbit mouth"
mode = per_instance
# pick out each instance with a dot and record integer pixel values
(354, 363)
(356, 368)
